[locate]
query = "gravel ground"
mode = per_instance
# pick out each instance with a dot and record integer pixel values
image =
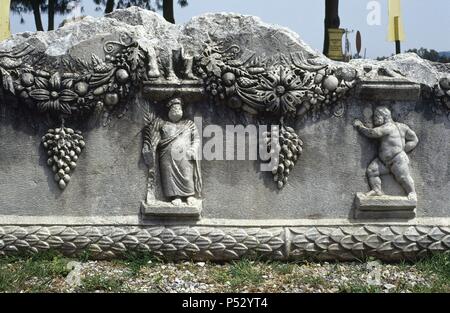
(244, 277)
(59, 274)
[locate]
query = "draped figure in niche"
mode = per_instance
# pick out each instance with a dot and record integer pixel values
(176, 141)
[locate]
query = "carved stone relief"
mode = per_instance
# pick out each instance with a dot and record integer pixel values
(81, 90)
(442, 97)
(279, 89)
(395, 141)
(175, 144)
(277, 82)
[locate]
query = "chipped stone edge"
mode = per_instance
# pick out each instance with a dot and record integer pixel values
(224, 243)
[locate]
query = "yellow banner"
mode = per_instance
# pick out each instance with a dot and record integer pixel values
(5, 31)
(396, 30)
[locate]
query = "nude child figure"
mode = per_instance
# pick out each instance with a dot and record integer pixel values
(396, 140)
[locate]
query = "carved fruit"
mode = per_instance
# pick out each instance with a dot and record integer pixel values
(27, 79)
(122, 76)
(318, 78)
(99, 91)
(289, 152)
(228, 79)
(111, 99)
(445, 83)
(81, 88)
(62, 184)
(330, 83)
(63, 146)
(235, 102)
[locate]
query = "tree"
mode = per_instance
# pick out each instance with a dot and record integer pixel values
(25, 6)
(52, 7)
(431, 55)
(167, 7)
(331, 20)
(155, 5)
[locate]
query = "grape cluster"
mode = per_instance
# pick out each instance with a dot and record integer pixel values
(214, 86)
(64, 146)
(290, 148)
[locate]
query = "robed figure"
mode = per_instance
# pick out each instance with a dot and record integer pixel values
(176, 143)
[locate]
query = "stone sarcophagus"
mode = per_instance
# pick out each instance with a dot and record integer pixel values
(219, 139)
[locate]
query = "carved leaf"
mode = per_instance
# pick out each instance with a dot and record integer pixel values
(9, 239)
(437, 246)
(7, 81)
(203, 243)
(42, 245)
(217, 247)
(32, 239)
(192, 248)
(95, 248)
(105, 242)
(69, 247)
(40, 94)
(230, 254)
(154, 243)
(263, 248)
(180, 242)
(119, 247)
(21, 244)
(81, 241)
(130, 241)
(55, 242)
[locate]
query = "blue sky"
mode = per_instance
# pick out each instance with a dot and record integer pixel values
(427, 23)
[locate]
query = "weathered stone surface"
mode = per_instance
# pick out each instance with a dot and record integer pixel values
(111, 177)
(384, 203)
(384, 207)
(160, 209)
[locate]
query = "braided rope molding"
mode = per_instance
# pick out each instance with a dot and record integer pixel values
(214, 243)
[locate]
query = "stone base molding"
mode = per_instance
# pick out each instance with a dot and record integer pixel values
(330, 242)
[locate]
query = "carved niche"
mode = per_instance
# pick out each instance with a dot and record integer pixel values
(173, 146)
(396, 140)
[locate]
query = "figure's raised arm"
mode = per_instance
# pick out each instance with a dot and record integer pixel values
(377, 132)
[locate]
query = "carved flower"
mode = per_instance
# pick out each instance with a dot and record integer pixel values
(282, 90)
(52, 96)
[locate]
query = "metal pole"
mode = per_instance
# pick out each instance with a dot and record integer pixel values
(398, 49)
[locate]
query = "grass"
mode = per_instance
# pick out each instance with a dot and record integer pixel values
(239, 273)
(102, 283)
(437, 265)
(359, 288)
(136, 261)
(46, 272)
(31, 274)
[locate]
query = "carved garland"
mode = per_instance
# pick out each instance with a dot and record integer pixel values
(324, 243)
(442, 97)
(94, 87)
(278, 88)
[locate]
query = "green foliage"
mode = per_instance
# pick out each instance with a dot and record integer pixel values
(431, 55)
(135, 261)
(32, 274)
(240, 273)
(439, 266)
(359, 288)
(427, 54)
(100, 282)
